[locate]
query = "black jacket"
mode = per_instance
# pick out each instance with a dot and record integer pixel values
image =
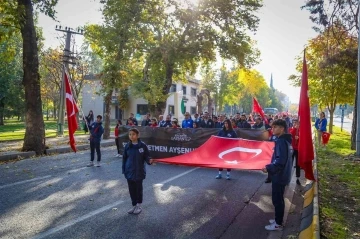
(281, 161)
(243, 124)
(146, 122)
(134, 158)
(208, 124)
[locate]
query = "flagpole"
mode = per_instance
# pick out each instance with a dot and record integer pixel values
(358, 95)
(75, 99)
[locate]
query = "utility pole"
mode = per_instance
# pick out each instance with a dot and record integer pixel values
(358, 96)
(66, 61)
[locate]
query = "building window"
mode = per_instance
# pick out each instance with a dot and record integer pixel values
(184, 90)
(193, 91)
(142, 109)
(171, 110)
(192, 110)
(173, 88)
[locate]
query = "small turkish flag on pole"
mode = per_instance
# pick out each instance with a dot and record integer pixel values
(306, 149)
(257, 108)
(71, 111)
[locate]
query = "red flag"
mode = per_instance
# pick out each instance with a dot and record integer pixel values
(220, 152)
(306, 150)
(257, 108)
(71, 110)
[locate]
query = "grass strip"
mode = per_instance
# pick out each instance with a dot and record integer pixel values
(339, 188)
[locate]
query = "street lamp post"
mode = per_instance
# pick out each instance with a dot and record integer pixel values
(358, 95)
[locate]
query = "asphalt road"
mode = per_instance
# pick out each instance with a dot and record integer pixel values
(346, 125)
(58, 197)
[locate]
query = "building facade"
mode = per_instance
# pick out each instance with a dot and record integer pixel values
(93, 100)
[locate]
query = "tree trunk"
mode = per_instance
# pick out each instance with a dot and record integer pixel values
(107, 115)
(354, 122)
(54, 110)
(160, 107)
(199, 103)
(2, 108)
(34, 139)
(331, 122)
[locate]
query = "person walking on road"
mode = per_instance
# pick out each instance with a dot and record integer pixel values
(117, 139)
(226, 132)
(280, 172)
(294, 131)
(89, 120)
(96, 131)
(136, 154)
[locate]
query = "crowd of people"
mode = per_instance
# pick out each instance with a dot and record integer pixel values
(204, 120)
(283, 130)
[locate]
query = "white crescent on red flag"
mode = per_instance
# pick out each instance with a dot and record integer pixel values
(220, 152)
(71, 111)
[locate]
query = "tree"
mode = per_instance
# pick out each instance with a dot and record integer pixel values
(20, 14)
(329, 82)
(114, 43)
(51, 73)
(331, 13)
(177, 36)
(11, 91)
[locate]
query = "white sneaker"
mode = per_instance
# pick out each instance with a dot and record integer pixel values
(274, 227)
(131, 211)
(98, 164)
(116, 155)
(90, 164)
(272, 221)
(137, 210)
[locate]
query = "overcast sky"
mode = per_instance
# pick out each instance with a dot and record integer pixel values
(283, 32)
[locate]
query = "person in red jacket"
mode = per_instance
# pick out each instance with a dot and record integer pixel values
(294, 131)
(117, 139)
(153, 123)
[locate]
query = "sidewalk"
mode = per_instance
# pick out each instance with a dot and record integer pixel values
(11, 150)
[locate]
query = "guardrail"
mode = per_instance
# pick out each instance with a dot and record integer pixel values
(310, 226)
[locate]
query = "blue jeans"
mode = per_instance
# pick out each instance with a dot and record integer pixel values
(278, 202)
(93, 146)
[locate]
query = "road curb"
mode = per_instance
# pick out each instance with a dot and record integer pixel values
(13, 155)
(310, 225)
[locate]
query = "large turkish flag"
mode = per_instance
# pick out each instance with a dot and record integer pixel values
(220, 152)
(71, 111)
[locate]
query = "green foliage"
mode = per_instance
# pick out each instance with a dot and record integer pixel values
(339, 186)
(11, 76)
(330, 83)
(159, 41)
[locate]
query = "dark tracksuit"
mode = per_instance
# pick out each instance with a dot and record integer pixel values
(227, 134)
(133, 167)
(117, 139)
(207, 124)
(280, 173)
(243, 124)
(165, 123)
(96, 131)
(295, 144)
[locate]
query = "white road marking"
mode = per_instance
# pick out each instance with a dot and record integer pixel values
(39, 178)
(26, 181)
(175, 177)
(100, 210)
(73, 222)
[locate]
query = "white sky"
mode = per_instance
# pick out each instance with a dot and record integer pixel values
(283, 32)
